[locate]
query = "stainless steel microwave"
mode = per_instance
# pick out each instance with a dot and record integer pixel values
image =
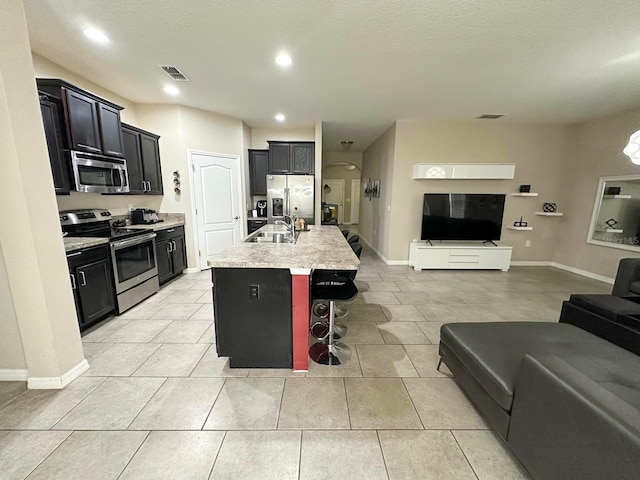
(99, 174)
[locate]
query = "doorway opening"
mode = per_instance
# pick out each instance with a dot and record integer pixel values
(341, 191)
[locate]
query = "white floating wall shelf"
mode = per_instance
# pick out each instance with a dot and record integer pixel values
(530, 194)
(464, 171)
(520, 228)
(550, 214)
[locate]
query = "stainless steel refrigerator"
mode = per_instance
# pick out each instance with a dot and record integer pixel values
(290, 195)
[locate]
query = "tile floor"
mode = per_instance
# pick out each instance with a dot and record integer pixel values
(158, 403)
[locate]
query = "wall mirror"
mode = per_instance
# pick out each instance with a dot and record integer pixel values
(616, 214)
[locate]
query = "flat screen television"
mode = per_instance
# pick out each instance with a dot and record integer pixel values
(462, 216)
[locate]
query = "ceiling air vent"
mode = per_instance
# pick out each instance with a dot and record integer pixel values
(174, 73)
(491, 116)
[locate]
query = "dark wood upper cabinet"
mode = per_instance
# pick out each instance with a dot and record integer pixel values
(302, 156)
(151, 163)
(278, 158)
(142, 153)
(90, 123)
(258, 165)
(110, 130)
(131, 145)
(82, 122)
(291, 158)
(53, 134)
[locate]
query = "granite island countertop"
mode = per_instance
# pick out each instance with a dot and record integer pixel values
(322, 247)
(77, 243)
(170, 220)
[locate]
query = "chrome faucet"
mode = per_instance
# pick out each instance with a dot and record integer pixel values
(290, 224)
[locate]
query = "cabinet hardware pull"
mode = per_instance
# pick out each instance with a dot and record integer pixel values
(174, 246)
(144, 186)
(169, 247)
(171, 230)
(73, 254)
(84, 279)
(73, 281)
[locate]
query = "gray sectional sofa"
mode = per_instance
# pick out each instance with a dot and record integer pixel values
(565, 400)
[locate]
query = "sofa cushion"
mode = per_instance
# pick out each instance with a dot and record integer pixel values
(492, 352)
(634, 287)
(608, 306)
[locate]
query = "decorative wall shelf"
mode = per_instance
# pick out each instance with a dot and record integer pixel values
(550, 214)
(464, 171)
(611, 230)
(520, 228)
(626, 197)
(530, 194)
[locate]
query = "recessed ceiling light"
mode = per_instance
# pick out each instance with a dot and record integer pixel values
(283, 60)
(280, 117)
(171, 90)
(96, 35)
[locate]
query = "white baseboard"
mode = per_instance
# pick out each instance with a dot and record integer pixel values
(526, 263)
(584, 273)
(13, 375)
(382, 257)
(193, 270)
(52, 383)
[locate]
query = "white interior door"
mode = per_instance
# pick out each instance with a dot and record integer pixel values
(336, 195)
(355, 202)
(217, 186)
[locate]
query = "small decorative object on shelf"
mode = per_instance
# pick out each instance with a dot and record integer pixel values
(525, 188)
(612, 191)
(376, 189)
(611, 223)
(520, 223)
(176, 182)
(549, 207)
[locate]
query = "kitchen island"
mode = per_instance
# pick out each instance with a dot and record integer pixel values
(261, 295)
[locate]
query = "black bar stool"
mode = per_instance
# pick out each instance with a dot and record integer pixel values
(339, 289)
(353, 239)
(345, 233)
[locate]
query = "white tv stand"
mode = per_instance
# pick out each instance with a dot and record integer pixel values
(459, 255)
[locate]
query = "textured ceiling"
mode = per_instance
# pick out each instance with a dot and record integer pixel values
(358, 65)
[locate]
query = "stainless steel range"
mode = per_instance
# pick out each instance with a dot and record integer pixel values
(133, 253)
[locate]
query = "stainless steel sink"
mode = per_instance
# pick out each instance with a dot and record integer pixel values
(272, 237)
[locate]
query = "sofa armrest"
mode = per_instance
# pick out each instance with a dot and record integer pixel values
(628, 271)
(564, 425)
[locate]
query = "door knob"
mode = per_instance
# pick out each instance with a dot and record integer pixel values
(236, 217)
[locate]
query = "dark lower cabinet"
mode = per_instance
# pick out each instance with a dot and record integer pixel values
(171, 253)
(252, 315)
(255, 224)
(91, 277)
(60, 168)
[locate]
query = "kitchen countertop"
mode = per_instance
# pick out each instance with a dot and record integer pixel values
(77, 243)
(170, 220)
(322, 247)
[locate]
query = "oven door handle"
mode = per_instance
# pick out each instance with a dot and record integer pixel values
(132, 241)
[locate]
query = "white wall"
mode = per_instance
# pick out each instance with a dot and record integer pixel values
(378, 164)
(182, 129)
(34, 257)
(596, 151)
(339, 172)
(260, 136)
(45, 68)
(539, 152)
(354, 158)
